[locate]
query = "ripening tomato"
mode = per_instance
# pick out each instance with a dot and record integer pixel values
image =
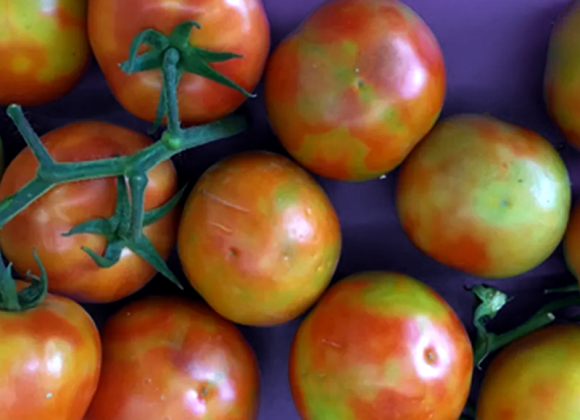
(44, 48)
(562, 78)
(484, 196)
(237, 26)
(259, 239)
(381, 345)
(354, 89)
(167, 358)
(534, 378)
(50, 359)
(572, 242)
(71, 271)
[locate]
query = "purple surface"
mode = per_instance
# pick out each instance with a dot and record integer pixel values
(495, 54)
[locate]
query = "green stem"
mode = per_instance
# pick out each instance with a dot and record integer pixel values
(171, 80)
(492, 301)
(13, 300)
(564, 289)
(137, 183)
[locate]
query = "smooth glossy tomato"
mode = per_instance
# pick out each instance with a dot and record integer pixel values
(355, 87)
(237, 26)
(259, 239)
(71, 271)
(381, 345)
(167, 358)
(50, 358)
(484, 196)
(44, 48)
(562, 78)
(534, 378)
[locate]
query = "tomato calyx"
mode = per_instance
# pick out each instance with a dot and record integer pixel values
(174, 54)
(491, 301)
(123, 231)
(13, 300)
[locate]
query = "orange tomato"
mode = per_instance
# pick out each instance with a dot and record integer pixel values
(50, 358)
(44, 48)
(71, 271)
(167, 358)
(237, 26)
(258, 239)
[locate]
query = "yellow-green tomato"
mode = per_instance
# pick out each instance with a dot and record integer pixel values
(44, 49)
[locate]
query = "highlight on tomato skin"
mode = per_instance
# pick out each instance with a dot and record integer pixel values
(50, 358)
(44, 48)
(355, 87)
(259, 239)
(381, 345)
(239, 27)
(72, 272)
(534, 378)
(170, 358)
(562, 73)
(484, 196)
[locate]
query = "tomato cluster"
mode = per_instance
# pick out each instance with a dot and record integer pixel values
(89, 214)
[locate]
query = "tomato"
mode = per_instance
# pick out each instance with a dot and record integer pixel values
(71, 270)
(167, 358)
(237, 26)
(562, 78)
(572, 242)
(484, 196)
(534, 378)
(355, 87)
(381, 345)
(44, 48)
(50, 358)
(258, 239)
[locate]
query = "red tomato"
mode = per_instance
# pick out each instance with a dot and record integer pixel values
(50, 358)
(534, 378)
(44, 49)
(258, 239)
(70, 270)
(354, 89)
(167, 358)
(484, 196)
(381, 345)
(562, 78)
(237, 26)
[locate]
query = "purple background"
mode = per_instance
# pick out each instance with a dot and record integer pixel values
(495, 54)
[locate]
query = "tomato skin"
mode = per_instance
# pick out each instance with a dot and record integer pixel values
(50, 358)
(44, 48)
(167, 358)
(353, 90)
(534, 378)
(71, 271)
(240, 27)
(381, 345)
(562, 76)
(258, 239)
(484, 196)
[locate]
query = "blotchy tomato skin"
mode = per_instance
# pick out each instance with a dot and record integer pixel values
(44, 48)
(485, 197)
(535, 378)
(237, 26)
(167, 358)
(380, 345)
(71, 271)
(50, 358)
(258, 239)
(354, 89)
(562, 76)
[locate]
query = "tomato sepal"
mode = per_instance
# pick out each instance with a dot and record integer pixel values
(13, 300)
(491, 301)
(174, 55)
